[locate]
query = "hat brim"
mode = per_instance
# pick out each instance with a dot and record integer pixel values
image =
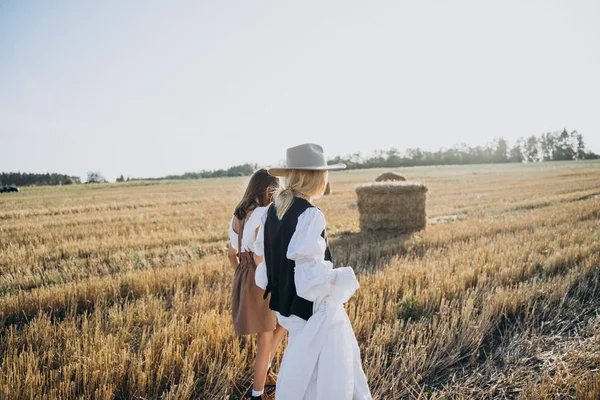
(283, 171)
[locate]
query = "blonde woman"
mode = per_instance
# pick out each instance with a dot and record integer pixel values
(250, 308)
(322, 359)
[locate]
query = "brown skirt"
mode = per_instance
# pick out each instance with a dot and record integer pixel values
(250, 312)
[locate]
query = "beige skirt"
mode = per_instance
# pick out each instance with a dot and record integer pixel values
(250, 312)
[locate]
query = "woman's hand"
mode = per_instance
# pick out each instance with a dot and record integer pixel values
(232, 255)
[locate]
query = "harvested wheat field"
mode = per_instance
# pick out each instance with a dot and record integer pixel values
(123, 290)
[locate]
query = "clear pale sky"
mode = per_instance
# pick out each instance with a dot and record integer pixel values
(150, 88)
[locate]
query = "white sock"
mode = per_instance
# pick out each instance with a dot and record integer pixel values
(257, 393)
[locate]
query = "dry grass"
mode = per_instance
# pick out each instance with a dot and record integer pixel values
(123, 291)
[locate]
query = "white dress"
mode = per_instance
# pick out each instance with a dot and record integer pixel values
(322, 359)
(249, 236)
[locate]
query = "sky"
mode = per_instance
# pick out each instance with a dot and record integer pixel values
(151, 88)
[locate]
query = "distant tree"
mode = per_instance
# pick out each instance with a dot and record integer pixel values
(577, 139)
(500, 151)
(356, 158)
(95, 177)
(393, 158)
(480, 154)
(516, 153)
(241, 170)
(219, 173)
(376, 159)
(416, 155)
(531, 149)
(563, 149)
(121, 178)
(547, 145)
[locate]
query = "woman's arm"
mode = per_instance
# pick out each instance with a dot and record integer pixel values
(232, 252)
(232, 255)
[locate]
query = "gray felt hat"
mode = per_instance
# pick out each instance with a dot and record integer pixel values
(308, 156)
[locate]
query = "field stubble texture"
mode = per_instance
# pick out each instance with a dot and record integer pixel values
(123, 291)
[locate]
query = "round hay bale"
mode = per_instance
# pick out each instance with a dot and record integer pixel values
(389, 176)
(392, 206)
(328, 188)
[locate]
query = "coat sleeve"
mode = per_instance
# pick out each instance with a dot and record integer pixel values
(314, 277)
(260, 276)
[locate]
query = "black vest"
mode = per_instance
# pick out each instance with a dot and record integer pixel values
(280, 270)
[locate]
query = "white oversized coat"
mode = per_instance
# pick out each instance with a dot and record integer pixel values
(322, 359)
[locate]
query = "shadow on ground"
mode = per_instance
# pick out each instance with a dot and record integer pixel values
(367, 252)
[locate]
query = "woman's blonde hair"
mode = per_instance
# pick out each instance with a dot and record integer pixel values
(308, 183)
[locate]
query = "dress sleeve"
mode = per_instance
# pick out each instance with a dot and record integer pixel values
(260, 275)
(233, 237)
(315, 277)
(255, 221)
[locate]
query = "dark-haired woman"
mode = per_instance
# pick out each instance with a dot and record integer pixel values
(250, 310)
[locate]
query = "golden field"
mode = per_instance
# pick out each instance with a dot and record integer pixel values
(122, 291)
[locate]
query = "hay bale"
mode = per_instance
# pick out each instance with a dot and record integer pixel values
(390, 176)
(328, 188)
(392, 206)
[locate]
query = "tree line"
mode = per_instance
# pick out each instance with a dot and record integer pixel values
(550, 146)
(236, 170)
(30, 179)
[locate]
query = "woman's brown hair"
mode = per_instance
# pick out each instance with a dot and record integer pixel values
(258, 193)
